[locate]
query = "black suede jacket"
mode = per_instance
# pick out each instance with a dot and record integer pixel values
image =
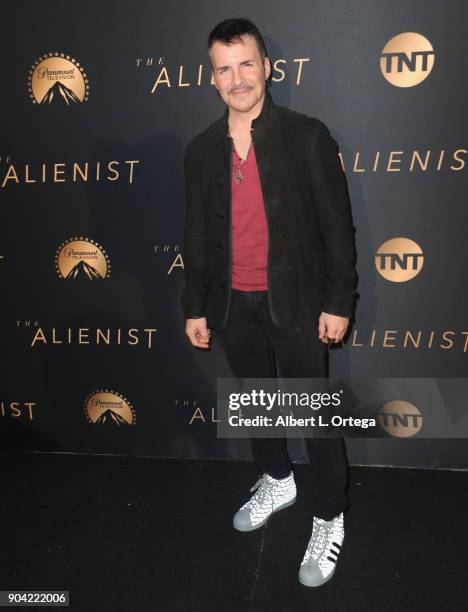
(311, 252)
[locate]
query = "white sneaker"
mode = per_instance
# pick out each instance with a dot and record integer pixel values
(320, 558)
(271, 495)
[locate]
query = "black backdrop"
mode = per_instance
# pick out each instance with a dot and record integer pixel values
(136, 89)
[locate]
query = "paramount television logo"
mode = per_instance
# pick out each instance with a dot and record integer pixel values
(82, 258)
(109, 408)
(57, 78)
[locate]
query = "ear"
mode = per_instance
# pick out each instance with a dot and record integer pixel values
(267, 65)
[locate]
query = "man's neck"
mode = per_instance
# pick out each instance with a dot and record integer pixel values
(242, 121)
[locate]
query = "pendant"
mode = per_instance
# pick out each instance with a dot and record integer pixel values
(238, 176)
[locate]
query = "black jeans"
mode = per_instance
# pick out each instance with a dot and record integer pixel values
(251, 342)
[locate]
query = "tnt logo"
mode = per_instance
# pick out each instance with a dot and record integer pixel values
(400, 419)
(407, 59)
(399, 259)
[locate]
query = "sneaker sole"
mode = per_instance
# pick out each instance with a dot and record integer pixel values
(264, 522)
(317, 584)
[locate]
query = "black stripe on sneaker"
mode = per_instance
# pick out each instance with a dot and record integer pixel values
(337, 545)
(331, 559)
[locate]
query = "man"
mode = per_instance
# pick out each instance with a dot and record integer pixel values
(269, 267)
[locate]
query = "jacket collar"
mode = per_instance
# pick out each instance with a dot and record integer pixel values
(263, 119)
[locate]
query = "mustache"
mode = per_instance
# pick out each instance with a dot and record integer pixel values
(241, 87)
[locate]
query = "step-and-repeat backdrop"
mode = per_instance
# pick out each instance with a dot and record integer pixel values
(99, 100)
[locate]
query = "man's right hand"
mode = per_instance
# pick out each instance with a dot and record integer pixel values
(197, 332)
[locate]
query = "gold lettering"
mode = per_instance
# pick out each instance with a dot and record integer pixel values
(356, 161)
(422, 165)
(57, 171)
(299, 72)
(10, 175)
(441, 157)
(465, 346)
(181, 70)
(26, 175)
(341, 160)
(29, 405)
(376, 161)
(391, 160)
(39, 337)
(462, 161)
(163, 78)
(213, 417)
(105, 338)
(448, 340)
(54, 340)
(416, 343)
(354, 342)
(116, 172)
(16, 412)
(150, 332)
(280, 70)
(177, 263)
(131, 162)
(132, 336)
(387, 336)
(198, 414)
(77, 169)
(83, 335)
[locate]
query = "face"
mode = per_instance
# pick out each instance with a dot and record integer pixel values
(239, 73)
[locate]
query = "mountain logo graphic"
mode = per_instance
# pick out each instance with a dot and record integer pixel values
(56, 78)
(107, 407)
(82, 258)
(111, 417)
(60, 92)
(83, 270)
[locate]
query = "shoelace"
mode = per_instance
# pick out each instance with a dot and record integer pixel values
(257, 484)
(264, 489)
(318, 541)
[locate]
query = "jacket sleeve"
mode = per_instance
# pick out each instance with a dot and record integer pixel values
(333, 211)
(194, 245)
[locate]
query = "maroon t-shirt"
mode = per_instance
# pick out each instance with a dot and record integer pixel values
(249, 227)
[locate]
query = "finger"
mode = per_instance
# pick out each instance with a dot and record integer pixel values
(203, 335)
(199, 343)
(333, 333)
(322, 330)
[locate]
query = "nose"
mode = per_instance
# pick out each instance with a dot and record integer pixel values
(236, 78)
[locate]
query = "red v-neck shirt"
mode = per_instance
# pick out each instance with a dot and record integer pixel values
(249, 227)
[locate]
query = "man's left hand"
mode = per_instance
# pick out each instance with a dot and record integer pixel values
(332, 327)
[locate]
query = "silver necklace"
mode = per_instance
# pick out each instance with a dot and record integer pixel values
(238, 178)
